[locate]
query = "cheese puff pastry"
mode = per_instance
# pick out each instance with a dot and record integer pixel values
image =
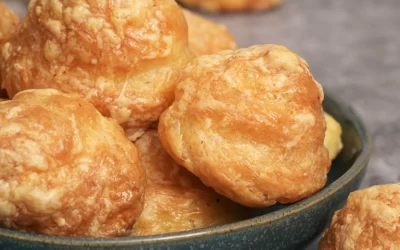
(250, 124)
(8, 20)
(231, 5)
(176, 200)
(207, 37)
(122, 56)
(333, 136)
(65, 170)
(370, 220)
(160, 168)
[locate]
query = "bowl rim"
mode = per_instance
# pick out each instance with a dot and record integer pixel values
(358, 166)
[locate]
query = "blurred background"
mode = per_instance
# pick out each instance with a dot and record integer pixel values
(353, 49)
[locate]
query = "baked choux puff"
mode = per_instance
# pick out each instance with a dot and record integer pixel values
(250, 124)
(207, 37)
(65, 170)
(175, 199)
(8, 21)
(231, 5)
(369, 220)
(124, 56)
(333, 136)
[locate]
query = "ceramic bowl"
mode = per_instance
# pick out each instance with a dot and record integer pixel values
(278, 227)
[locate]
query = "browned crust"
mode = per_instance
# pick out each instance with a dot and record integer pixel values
(8, 21)
(369, 220)
(176, 200)
(66, 170)
(207, 37)
(250, 124)
(122, 56)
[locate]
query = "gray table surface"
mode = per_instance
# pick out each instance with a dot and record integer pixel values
(353, 49)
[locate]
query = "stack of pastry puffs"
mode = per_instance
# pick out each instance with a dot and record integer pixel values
(138, 117)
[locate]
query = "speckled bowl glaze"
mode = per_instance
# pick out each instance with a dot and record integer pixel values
(279, 227)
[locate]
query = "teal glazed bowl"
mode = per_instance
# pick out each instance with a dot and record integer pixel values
(279, 227)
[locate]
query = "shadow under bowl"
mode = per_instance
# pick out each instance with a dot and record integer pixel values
(279, 227)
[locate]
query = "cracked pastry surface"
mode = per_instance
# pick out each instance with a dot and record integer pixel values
(333, 136)
(176, 200)
(370, 220)
(65, 170)
(249, 123)
(207, 37)
(122, 56)
(230, 5)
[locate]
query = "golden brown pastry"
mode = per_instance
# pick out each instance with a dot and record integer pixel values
(207, 37)
(231, 5)
(250, 124)
(370, 220)
(176, 200)
(170, 208)
(160, 168)
(8, 20)
(122, 56)
(333, 136)
(65, 169)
